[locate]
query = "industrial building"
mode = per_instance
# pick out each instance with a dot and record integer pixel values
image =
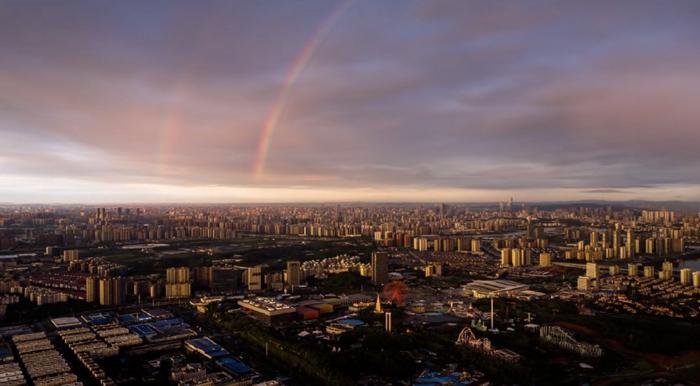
(206, 348)
(268, 309)
(496, 288)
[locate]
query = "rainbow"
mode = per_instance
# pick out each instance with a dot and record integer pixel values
(172, 123)
(167, 133)
(300, 62)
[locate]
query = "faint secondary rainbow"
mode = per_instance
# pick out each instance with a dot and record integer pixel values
(172, 126)
(300, 62)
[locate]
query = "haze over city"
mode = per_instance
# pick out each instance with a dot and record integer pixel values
(317, 101)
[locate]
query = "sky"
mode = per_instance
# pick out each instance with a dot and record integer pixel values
(365, 100)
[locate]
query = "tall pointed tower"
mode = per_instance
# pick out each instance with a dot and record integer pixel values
(378, 306)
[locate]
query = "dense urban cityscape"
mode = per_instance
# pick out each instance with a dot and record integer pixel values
(411, 294)
(349, 192)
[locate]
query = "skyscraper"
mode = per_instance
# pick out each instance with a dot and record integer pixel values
(293, 273)
(106, 293)
(505, 257)
(118, 290)
(517, 257)
(630, 244)
(380, 268)
(476, 245)
(203, 277)
(92, 289)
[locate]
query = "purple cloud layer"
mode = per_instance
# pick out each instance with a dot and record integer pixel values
(506, 96)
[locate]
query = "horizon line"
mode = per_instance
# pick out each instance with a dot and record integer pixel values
(593, 200)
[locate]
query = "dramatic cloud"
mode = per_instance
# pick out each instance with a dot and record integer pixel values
(424, 100)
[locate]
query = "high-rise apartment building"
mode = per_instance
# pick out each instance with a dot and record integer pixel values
(118, 290)
(293, 273)
(630, 247)
(667, 266)
(614, 270)
(92, 289)
(177, 275)
(516, 257)
(505, 257)
(686, 276)
(254, 278)
(177, 283)
(106, 292)
(380, 268)
(616, 240)
(592, 270)
(584, 283)
(594, 239)
(476, 245)
(203, 277)
(632, 269)
(71, 255)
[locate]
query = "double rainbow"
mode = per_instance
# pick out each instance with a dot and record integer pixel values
(300, 62)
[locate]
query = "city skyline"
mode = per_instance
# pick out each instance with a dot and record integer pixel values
(254, 102)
